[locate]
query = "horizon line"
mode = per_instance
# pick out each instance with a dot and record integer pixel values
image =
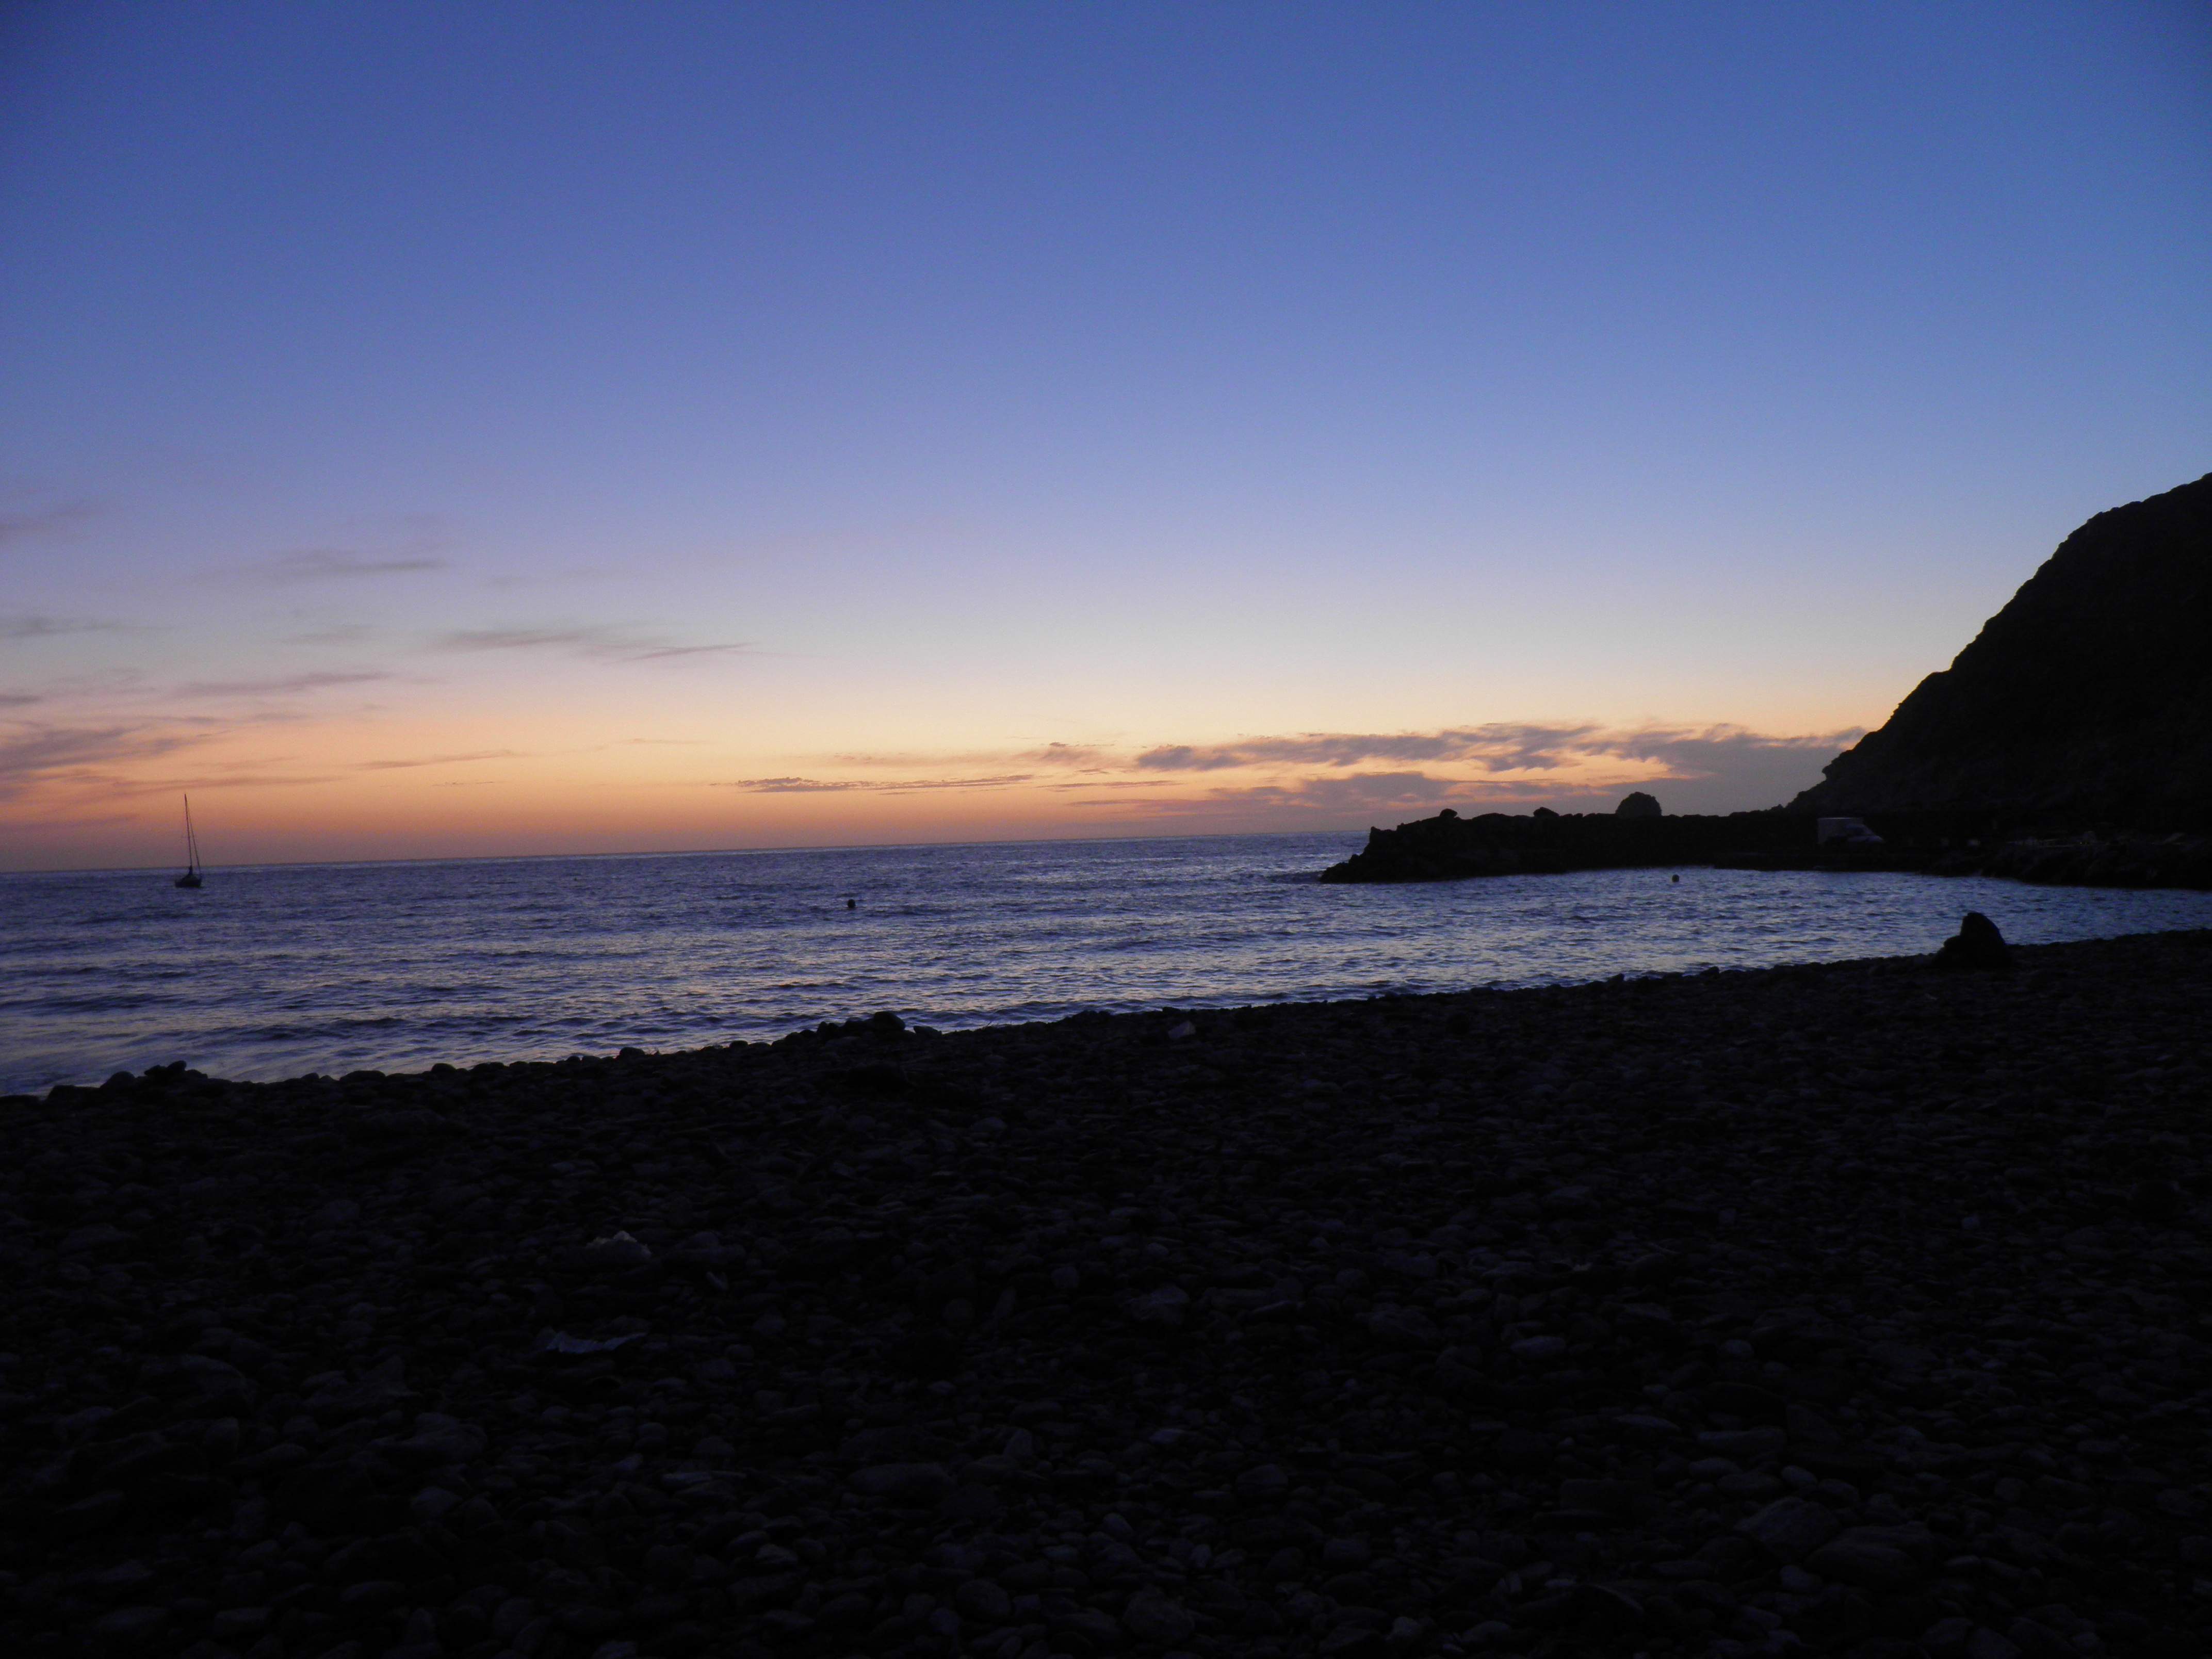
(683, 852)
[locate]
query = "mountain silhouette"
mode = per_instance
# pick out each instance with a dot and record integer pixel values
(2086, 701)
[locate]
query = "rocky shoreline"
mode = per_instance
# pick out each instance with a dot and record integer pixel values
(1449, 847)
(1856, 1309)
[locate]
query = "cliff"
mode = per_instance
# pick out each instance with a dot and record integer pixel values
(2085, 702)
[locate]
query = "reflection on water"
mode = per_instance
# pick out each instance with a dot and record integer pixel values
(269, 973)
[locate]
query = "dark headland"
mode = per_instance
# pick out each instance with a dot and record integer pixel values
(2070, 741)
(1857, 1309)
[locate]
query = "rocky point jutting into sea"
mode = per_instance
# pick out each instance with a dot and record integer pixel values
(1449, 847)
(2071, 741)
(1857, 1308)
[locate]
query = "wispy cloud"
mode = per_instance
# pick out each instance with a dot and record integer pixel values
(1068, 754)
(437, 760)
(1316, 776)
(831, 786)
(1359, 791)
(320, 564)
(282, 685)
(1496, 748)
(1499, 748)
(25, 627)
(1333, 797)
(791, 786)
(47, 824)
(1083, 755)
(600, 642)
(30, 525)
(109, 759)
(1497, 767)
(1005, 780)
(37, 754)
(550, 578)
(1717, 746)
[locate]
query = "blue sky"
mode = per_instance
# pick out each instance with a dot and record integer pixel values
(646, 402)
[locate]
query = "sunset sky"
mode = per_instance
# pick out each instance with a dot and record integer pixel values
(435, 429)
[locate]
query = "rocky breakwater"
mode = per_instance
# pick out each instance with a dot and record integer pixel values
(2094, 860)
(1856, 1310)
(1449, 847)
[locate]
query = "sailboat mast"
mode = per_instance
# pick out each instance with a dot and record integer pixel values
(192, 876)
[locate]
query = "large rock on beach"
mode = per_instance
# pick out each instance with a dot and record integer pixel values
(1851, 1309)
(1977, 946)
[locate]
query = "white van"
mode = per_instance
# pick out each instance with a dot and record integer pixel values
(1852, 832)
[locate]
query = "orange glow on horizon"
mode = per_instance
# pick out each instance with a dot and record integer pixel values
(365, 787)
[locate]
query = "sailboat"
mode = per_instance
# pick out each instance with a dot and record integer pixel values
(192, 876)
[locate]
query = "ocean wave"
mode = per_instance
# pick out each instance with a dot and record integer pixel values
(392, 966)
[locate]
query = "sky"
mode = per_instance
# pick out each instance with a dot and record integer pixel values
(430, 430)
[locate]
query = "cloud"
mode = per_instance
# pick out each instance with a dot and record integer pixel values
(36, 754)
(281, 685)
(790, 785)
(1361, 790)
(1335, 797)
(48, 825)
(1724, 767)
(18, 699)
(1052, 755)
(1498, 767)
(1718, 746)
(52, 520)
(109, 758)
(829, 787)
(1067, 754)
(607, 643)
(548, 578)
(1497, 748)
(45, 628)
(1338, 776)
(438, 760)
(1005, 780)
(318, 564)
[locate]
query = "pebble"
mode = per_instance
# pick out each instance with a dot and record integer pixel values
(1791, 1528)
(1637, 1317)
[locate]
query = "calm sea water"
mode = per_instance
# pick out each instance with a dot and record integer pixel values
(276, 971)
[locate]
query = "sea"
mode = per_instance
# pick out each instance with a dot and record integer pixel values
(280, 970)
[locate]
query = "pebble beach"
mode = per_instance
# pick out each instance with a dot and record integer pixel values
(1860, 1309)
